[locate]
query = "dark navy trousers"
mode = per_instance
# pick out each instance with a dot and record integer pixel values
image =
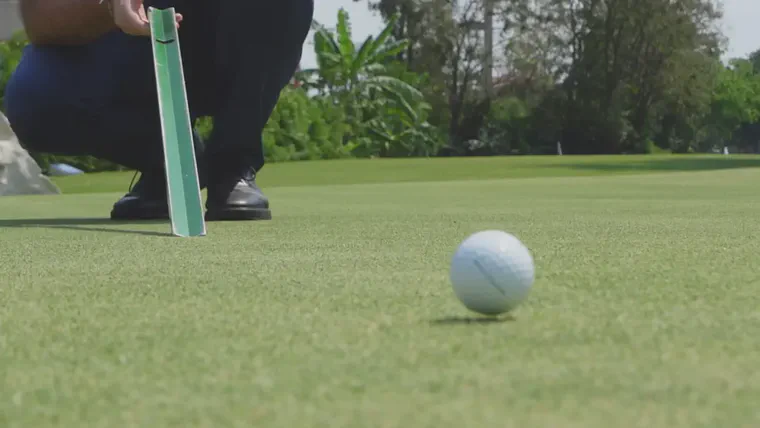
(100, 99)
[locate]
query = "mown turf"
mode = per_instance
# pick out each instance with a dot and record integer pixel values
(445, 169)
(339, 313)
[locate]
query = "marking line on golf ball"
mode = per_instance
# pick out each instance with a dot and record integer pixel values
(489, 277)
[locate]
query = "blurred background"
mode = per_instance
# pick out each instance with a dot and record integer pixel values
(403, 78)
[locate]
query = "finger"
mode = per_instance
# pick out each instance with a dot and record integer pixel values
(143, 15)
(136, 23)
(135, 28)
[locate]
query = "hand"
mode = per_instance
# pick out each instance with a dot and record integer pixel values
(131, 18)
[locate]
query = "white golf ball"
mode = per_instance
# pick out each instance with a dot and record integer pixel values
(492, 272)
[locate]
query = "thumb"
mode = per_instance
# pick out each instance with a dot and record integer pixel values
(131, 22)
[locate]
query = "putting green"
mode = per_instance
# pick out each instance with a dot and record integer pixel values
(339, 313)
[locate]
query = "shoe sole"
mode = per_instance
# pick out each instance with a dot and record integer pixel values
(239, 214)
(234, 214)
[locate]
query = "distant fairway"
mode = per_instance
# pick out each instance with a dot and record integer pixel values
(339, 313)
(445, 169)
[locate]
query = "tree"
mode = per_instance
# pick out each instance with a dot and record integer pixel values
(621, 63)
(754, 58)
(447, 46)
(736, 101)
(386, 114)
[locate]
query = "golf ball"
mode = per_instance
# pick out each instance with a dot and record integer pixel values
(492, 272)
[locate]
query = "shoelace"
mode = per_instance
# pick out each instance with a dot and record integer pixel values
(132, 183)
(249, 175)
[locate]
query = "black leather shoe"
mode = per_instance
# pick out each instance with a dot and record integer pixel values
(146, 200)
(236, 198)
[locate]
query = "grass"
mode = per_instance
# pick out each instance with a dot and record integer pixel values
(446, 169)
(645, 312)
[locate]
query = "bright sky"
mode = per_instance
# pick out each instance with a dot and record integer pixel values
(363, 23)
(739, 24)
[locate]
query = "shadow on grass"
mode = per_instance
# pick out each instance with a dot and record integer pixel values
(677, 163)
(473, 320)
(83, 224)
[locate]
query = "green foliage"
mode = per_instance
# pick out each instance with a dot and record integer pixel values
(754, 58)
(736, 98)
(204, 126)
(385, 114)
(506, 128)
(10, 56)
(302, 128)
(651, 148)
(601, 77)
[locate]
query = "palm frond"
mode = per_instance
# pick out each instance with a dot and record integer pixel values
(390, 50)
(383, 37)
(408, 91)
(360, 61)
(345, 42)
